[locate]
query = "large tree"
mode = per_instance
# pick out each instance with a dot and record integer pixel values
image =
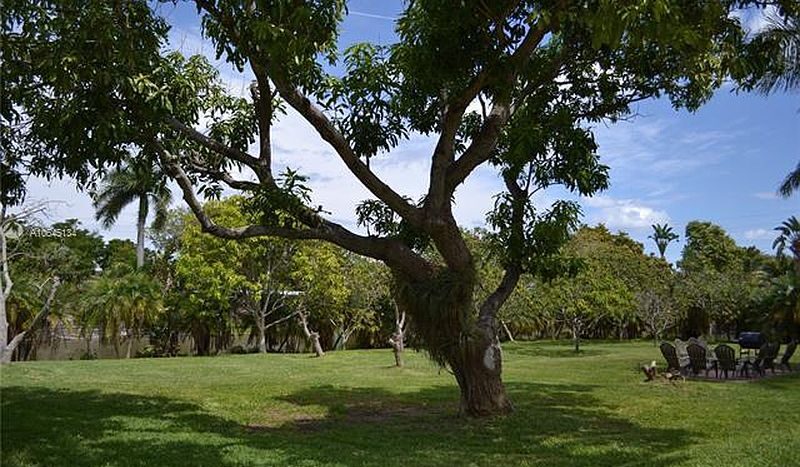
(717, 279)
(538, 73)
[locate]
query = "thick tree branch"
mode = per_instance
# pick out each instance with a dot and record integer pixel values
(447, 174)
(216, 146)
(262, 100)
(221, 176)
(332, 136)
(513, 270)
(481, 147)
(391, 251)
(492, 304)
(281, 320)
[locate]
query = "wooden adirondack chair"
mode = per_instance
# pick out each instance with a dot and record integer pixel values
(698, 359)
(671, 356)
(726, 360)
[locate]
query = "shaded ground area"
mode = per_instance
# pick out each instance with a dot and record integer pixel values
(351, 409)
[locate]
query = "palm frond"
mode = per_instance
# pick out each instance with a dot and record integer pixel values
(791, 183)
(782, 40)
(125, 185)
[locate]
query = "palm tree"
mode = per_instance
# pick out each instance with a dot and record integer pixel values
(784, 289)
(789, 238)
(136, 180)
(122, 301)
(663, 236)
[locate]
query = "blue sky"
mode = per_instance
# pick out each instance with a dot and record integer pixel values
(722, 163)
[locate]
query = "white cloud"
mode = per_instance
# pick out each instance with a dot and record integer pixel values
(766, 195)
(759, 234)
(622, 214)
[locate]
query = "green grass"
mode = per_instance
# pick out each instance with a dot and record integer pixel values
(353, 408)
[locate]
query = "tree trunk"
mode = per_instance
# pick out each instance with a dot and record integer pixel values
(311, 335)
(285, 340)
(576, 338)
(397, 340)
(140, 229)
(5, 289)
(202, 340)
(508, 331)
(446, 322)
(5, 353)
(262, 336)
(130, 345)
(398, 348)
(477, 367)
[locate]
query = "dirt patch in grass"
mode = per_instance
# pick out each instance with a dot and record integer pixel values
(347, 413)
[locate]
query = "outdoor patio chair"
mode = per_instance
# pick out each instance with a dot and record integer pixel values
(726, 360)
(765, 360)
(787, 355)
(698, 359)
(671, 356)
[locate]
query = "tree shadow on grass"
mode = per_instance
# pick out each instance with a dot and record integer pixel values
(557, 425)
(46, 427)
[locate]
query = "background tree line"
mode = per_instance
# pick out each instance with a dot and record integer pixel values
(279, 295)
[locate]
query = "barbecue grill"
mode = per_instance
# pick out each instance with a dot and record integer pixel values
(750, 341)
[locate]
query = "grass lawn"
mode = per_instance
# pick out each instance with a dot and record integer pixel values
(353, 408)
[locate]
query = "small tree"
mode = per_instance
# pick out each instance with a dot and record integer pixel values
(122, 302)
(318, 275)
(656, 313)
(398, 339)
(11, 227)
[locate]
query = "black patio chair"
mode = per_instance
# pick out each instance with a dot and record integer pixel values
(698, 359)
(765, 360)
(671, 356)
(787, 355)
(726, 360)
